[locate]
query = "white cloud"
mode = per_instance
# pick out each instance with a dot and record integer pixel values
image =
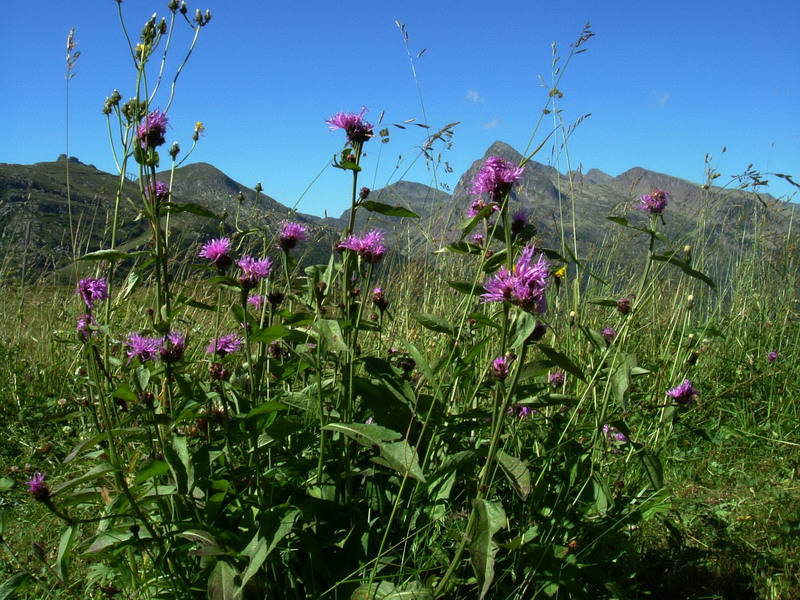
(475, 97)
(492, 124)
(660, 98)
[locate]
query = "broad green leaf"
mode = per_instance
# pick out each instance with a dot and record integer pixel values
(330, 331)
(153, 468)
(221, 582)
(653, 467)
(111, 255)
(65, 552)
(96, 472)
(561, 360)
(388, 591)
(517, 473)
(491, 518)
(6, 484)
(402, 457)
(367, 435)
(434, 322)
(686, 268)
(388, 209)
(461, 248)
(190, 207)
(467, 287)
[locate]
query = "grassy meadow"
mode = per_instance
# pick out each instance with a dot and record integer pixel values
(474, 417)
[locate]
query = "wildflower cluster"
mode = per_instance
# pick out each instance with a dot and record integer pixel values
(524, 285)
(169, 348)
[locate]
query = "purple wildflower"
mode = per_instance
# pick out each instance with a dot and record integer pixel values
(369, 246)
(37, 488)
(519, 220)
(523, 286)
(772, 356)
(257, 301)
(152, 129)
(500, 367)
(218, 252)
(84, 326)
(655, 202)
(518, 410)
(608, 334)
(92, 290)
(173, 347)
(227, 344)
(684, 394)
(624, 305)
(291, 234)
(557, 379)
(161, 190)
(355, 127)
(379, 299)
(144, 348)
(253, 270)
(614, 437)
(478, 239)
(496, 178)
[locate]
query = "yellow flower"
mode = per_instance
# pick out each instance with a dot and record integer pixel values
(198, 127)
(561, 273)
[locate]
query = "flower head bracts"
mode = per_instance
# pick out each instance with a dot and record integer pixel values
(369, 246)
(92, 290)
(655, 202)
(37, 488)
(217, 252)
(152, 129)
(496, 178)
(684, 394)
(355, 127)
(253, 270)
(523, 286)
(227, 344)
(291, 234)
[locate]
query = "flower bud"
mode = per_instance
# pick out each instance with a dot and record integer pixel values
(173, 152)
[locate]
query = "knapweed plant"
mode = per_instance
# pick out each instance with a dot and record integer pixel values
(289, 439)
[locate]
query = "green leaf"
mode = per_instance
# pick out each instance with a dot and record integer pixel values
(491, 518)
(517, 473)
(653, 467)
(112, 255)
(604, 301)
(467, 287)
(388, 591)
(433, 322)
(190, 207)
(561, 360)
(6, 484)
(366, 435)
(402, 457)
(64, 552)
(686, 268)
(388, 209)
(330, 331)
(461, 248)
(270, 334)
(221, 582)
(153, 468)
(15, 583)
(95, 473)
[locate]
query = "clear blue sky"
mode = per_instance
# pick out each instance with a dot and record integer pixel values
(665, 83)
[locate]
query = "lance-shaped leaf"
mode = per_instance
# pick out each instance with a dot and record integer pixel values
(491, 519)
(388, 209)
(388, 591)
(517, 473)
(686, 268)
(561, 360)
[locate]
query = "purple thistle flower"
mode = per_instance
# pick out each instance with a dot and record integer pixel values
(379, 299)
(144, 348)
(291, 234)
(684, 394)
(227, 344)
(496, 178)
(152, 129)
(253, 270)
(608, 334)
(655, 202)
(92, 290)
(519, 220)
(523, 286)
(614, 438)
(520, 411)
(85, 323)
(478, 239)
(355, 127)
(257, 301)
(557, 379)
(173, 347)
(369, 246)
(500, 367)
(37, 488)
(772, 356)
(218, 252)
(161, 190)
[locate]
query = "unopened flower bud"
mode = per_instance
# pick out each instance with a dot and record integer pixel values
(162, 27)
(258, 188)
(184, 8)
(240, 197)
(198, 17)
(364, 193)
(173, 152)
(572, 317)
(207, 16)
(173, 5)
(690, 302)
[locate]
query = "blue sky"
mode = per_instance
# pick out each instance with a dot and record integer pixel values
(665, 83)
